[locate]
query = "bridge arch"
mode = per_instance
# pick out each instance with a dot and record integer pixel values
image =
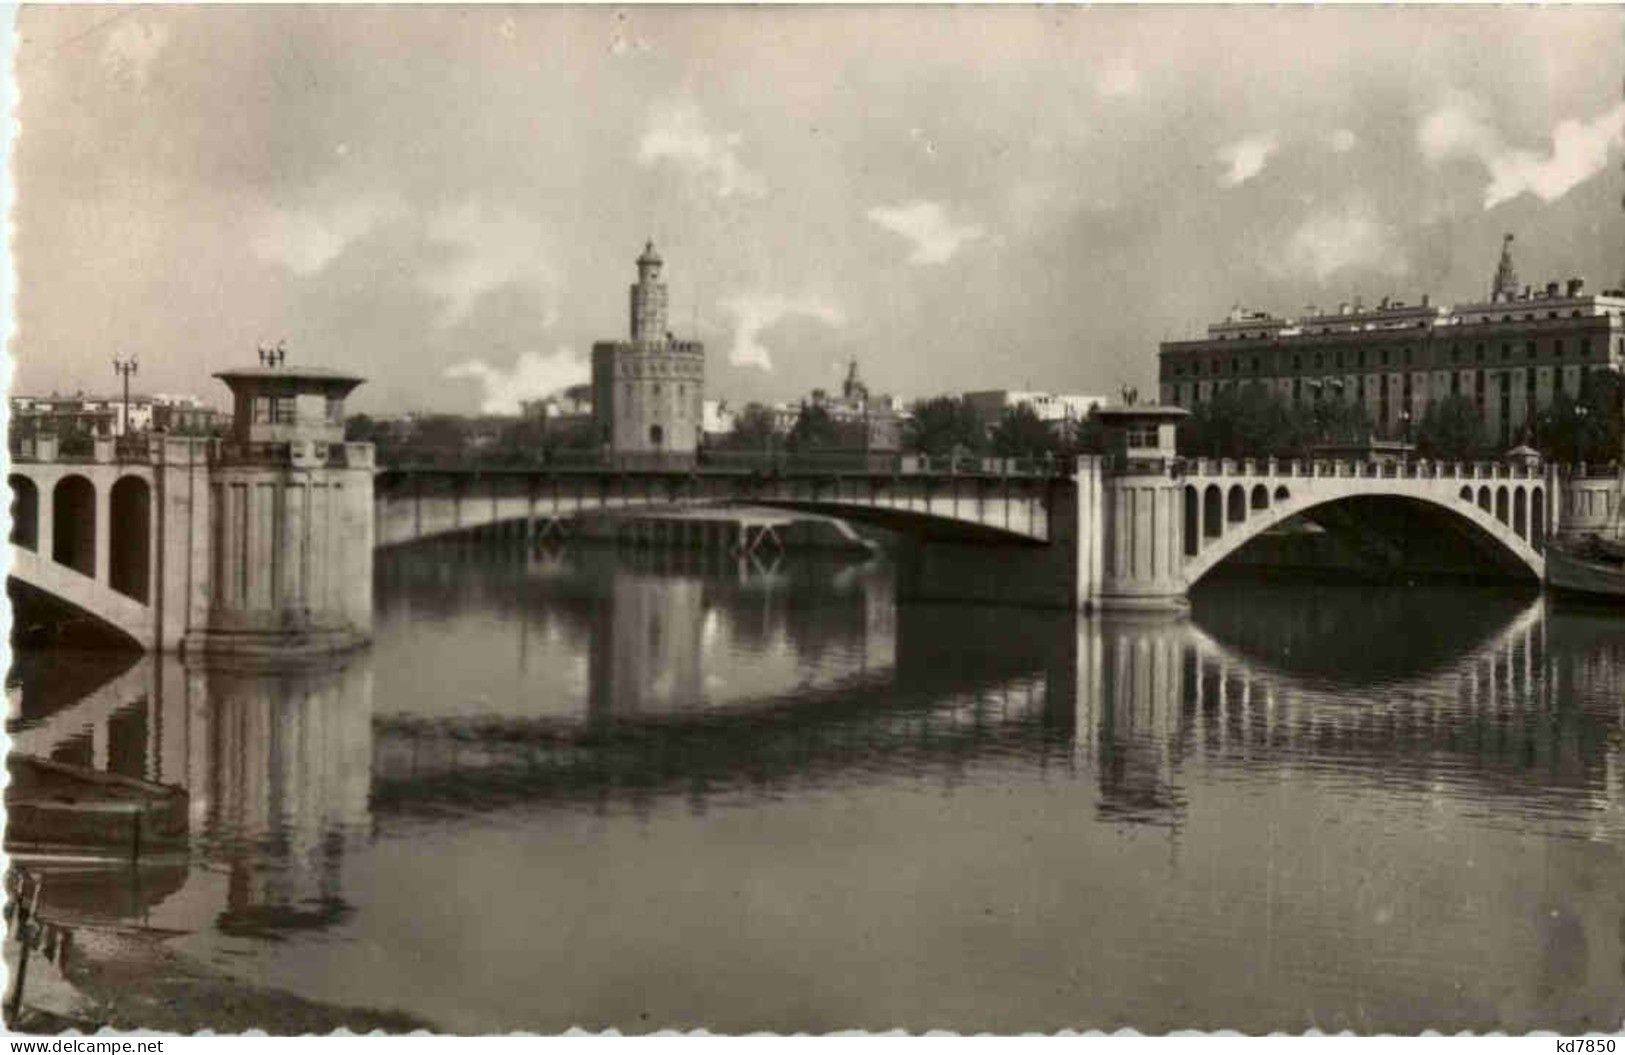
(1512, 551)
(73, 524)
(1238, 504)
(1485, 500)
(1261, 497)
(25, 526)
(1502, 513)
(1282, 494)
(1520, 513)
(129, 522)
(1537, 519)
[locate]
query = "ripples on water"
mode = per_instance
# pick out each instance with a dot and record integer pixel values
(657, 789)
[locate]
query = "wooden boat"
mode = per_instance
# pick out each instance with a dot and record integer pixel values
(57, 810)
(1594, 567)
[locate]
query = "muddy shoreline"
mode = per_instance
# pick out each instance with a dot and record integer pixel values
(132, 980)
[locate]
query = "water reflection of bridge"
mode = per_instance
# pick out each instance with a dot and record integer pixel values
(288, 768)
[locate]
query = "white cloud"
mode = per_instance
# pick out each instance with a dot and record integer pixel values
(1342, 141)
(753, 314)
(532, 376)
(131, 49)
(306, 240)
(1118, 80)
(489, 248)
(1246, 158)
(1347, 239)
(1579, 151)
(678, 133)
(925, 224)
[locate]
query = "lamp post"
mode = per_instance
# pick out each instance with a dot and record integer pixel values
(124, 368)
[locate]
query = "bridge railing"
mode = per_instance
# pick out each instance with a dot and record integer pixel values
(1417, 469)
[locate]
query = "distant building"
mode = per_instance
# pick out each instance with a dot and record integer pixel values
(717, 417)
(184, 415)
(1062, 412)
(873, 421)
(93, 415)
(1511, 355)
(648, 392)
(563, 411)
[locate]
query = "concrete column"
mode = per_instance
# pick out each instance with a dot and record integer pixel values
(104, 530)
(47, 506)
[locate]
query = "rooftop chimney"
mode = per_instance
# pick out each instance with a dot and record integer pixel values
(1576, 287)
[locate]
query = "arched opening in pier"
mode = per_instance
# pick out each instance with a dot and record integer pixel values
(24, 512)
(1261, 497)
(1502, 513)
(1282, 494)
(1485, 502)
(129, 522)
(1238, 504)
(1212, 512)
(1520, 513)
(73, 524)
(1193, 521)
(1537, 519)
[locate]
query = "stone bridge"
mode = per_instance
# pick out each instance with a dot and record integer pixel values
(191, 540)
(1505, 510)
(82, 532)
(990, 505)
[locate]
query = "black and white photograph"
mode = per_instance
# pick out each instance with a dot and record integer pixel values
(807, 519)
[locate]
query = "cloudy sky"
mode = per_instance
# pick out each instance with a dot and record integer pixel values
(449, 200)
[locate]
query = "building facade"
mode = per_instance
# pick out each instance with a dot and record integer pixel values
(1063, 413)
(648, 392)
(1511, 354)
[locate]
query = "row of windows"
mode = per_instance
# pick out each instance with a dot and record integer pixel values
(681, 402)
(1472, 320)
(1358, 358)
(1505, 380)
(679, 368)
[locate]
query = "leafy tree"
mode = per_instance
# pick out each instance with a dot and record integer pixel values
(753, 429)
(944, 424)
(1254, 421)
(813, 430)
(1335, 421)
(360, 428)
(1588, 428)
(1020, 433)
(1451, 429)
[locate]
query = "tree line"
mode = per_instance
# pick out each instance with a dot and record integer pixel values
(1254, 421)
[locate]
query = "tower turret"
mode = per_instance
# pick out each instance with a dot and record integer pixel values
(1505, 286)
(649, 298)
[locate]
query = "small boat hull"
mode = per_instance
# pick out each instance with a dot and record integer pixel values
(1588, 574)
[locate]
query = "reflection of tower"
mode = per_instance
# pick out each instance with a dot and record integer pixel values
(646, 645)
(1132, 679)
(282, 759)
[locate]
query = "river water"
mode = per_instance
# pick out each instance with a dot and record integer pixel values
(652, 790)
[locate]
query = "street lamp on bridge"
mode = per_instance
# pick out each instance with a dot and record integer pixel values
(124, 368)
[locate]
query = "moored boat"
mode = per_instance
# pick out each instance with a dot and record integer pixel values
(1594, 567)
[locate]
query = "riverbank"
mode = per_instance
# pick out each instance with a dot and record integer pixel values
(131, 980)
